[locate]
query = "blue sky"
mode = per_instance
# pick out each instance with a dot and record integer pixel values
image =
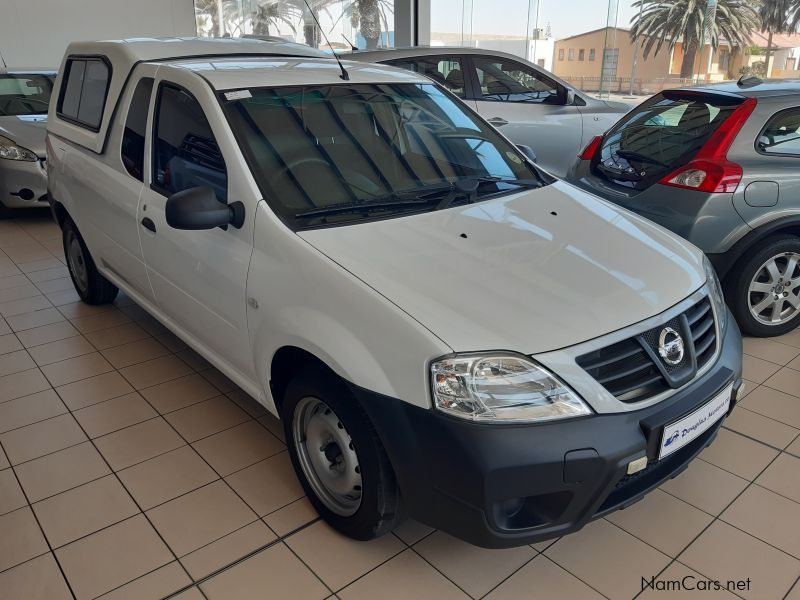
(511, 17)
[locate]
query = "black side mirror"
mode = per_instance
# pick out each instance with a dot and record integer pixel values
(198, 208)
(528, 152)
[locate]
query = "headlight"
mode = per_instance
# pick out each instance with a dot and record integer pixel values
(715, 293)
(11, 151)
(501, 388)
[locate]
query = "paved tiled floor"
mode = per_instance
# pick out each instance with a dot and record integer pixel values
(131, 469)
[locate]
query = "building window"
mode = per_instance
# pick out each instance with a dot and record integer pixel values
(591, 54)
(571, 54)
(724, 61)
(560, 54)
(581, 54)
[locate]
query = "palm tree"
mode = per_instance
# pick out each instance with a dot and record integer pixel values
(273, 14)
(775, 17)
(665, 23)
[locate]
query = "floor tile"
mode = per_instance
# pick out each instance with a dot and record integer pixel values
(794, 447)
(11, 496)
(93, 390)
(412, 531)
(220, 381)
(102, 320)
(285, 520)
(179, 393)
(138, 443)
(663, 521)
(21, 540)
(112, 415)
(774, 404)
(22, 384)
(99, 563)
(757, 369)
(268, 485)
(4, 328)
(134, 353)
(227, 550)
(783, 476)
(475, 570)
(768, 516)
(35, 319)
(47, 333)
(84, 510)
(11, 281)
(61, 471)
(724, 552)
(193, 359)
(48, 274)
(79, 310)
(607, 558)
(770, 350)
(156, 584)
(404, 576)
(4, 464)
(171, 341)
(33, 441)
(75, 369)
(21, 307)
(166, 476)
(19, 292)
(794, 593)
(543, 579)
(766, 430)
(338, 560)
(274, 425)
(206, 418)
(59, 350)
(30, 409)
(200, 517)
(37, 579)
(40, 265)
(706, 487)
(275, 569)
(247, 403)
(739, 455)
(153, 372)
(59, 284)
(786, 380)
(112, 337)
(64, 297)
(9, 343)
(14, 362)
(679, 574)
(238, 447)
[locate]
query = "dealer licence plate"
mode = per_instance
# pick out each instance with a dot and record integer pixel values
(679, 433)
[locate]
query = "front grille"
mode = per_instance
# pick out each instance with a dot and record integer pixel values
(632, 370)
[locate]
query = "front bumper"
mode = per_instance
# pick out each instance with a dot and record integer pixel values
(23, 184)
(503, 485)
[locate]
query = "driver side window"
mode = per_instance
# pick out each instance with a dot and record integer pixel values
(185, 152)
(509, 81)
(444, 70)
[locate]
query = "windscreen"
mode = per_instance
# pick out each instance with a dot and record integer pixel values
(25, 94)
(662, 134)
(343, 153)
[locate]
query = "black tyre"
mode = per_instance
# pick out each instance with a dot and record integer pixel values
(764, 290)
(92, 287)
(338, 457)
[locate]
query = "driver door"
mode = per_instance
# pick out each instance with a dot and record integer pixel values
(199, 278)
(529, 108)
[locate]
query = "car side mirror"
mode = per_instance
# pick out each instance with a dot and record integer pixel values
(528, 152)
(198, 208)
(570, 100)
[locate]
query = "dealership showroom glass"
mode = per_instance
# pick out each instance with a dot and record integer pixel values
(399, 299)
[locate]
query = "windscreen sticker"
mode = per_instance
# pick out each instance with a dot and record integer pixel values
(238, 95)
(513, 157)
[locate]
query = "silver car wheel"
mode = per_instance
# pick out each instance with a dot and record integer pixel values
(327, 456)
(774, 292)
(77, 264)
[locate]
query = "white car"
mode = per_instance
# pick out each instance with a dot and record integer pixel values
(446, 331)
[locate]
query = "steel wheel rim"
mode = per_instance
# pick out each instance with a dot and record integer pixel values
(77, 264)
(773, 296)
(327, 456)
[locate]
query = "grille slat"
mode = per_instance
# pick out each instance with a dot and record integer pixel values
(628, 371)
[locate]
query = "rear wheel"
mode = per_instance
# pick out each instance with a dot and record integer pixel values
(338, 457)
(765, 295)
(90, 284)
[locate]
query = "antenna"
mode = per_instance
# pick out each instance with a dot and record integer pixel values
(344, 74)
(349, 43)
(3, 60)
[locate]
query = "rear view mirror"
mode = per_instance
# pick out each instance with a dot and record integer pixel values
(198, 208)
(570, 97)
(528, 152)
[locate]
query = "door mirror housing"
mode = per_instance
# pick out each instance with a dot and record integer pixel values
(570, 99)
(528, 152)
(198, 208)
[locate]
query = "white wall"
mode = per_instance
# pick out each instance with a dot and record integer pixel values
(34, 33)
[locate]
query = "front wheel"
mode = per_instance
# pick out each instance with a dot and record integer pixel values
(765, 294)
(90, 284)
(338, 457)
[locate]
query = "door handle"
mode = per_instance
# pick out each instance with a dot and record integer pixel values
(498, 121)
(148, 224)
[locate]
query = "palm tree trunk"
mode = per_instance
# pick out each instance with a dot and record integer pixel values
(769, 54)
(220, 19)
(369, 17)
(689, 56)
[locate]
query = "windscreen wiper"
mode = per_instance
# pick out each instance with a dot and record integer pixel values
(469, 187)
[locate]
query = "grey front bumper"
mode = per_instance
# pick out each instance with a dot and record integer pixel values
(23, 184)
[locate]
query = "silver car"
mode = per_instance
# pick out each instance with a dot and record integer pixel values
(24, 98)
(530, 106)
(718, 165)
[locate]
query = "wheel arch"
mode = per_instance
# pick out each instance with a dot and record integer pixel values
(285, 364)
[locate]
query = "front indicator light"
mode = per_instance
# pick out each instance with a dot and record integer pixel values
(503, 389)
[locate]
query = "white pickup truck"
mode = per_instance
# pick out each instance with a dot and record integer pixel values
(446, 331)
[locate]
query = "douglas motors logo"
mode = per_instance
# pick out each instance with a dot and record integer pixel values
(691, 583)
